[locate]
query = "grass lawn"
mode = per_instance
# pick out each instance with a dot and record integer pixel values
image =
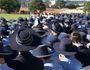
(13, 16)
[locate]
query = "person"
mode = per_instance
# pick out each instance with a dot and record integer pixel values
(53, 32)
(67, 26)
(47, 54)
(77, 40)
(23, 40)
(88, 44)
(6, 45)
(84, 55)
(39, 29)
(3, 52)
(61, 36)
(3, 31)
(67, 55)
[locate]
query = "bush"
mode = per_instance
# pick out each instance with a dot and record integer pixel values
(71, 6)
(87, 7)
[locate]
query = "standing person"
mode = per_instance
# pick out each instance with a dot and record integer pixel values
(24, 40)
(47, 54)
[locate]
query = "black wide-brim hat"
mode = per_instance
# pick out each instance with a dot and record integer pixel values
(24, 39)
(56, 27)
(43, 51)
(40, 31)
(66, 47)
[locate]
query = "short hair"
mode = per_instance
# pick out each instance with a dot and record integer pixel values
(75, 36)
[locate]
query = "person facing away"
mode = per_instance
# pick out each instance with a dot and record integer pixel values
(3, 63)
(24, 40)
(47, 54)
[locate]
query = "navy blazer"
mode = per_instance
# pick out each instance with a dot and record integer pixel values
(26, 62)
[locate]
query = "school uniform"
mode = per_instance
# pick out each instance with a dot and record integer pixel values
(26, 62)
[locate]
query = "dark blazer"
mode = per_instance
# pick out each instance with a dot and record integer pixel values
(26, 61)
(84, 57)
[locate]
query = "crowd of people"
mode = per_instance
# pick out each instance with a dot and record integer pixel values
(45, 42)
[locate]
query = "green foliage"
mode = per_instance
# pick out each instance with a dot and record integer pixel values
(9, 5)
(37, 5)
(87, 7)
(59, 4)
(71, 6)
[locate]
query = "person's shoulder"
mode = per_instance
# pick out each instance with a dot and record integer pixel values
(39, 61)
(14, 64)
(38, 64)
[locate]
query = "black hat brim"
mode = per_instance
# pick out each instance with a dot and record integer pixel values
(15, 46)
(41, 51)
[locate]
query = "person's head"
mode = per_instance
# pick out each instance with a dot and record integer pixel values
(24, 39)
(20, 20)
(3, 20)
(67, 23)
(39, 30)
(56, 27)
(75, 37)
(66, 47)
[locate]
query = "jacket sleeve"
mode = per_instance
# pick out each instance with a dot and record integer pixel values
(16, 65)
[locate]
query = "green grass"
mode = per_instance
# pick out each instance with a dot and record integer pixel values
(13, 16)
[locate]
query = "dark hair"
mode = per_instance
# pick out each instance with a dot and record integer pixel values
(75, 37)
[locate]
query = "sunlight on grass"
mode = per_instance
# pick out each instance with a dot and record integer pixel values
(13, 16)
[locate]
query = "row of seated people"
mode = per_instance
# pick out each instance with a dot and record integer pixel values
(52, 42)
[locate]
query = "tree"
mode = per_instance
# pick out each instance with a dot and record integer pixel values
(9, 5)
(72, 6)
(37, 5)
(87, 7)
(59, 4)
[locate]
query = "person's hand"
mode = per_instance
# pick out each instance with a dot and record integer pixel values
(63, 58)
